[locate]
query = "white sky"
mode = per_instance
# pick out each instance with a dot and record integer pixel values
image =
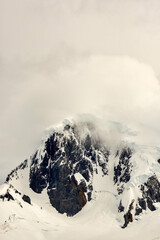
(65, 57)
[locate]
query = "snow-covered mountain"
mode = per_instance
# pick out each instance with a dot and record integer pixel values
(79, 182)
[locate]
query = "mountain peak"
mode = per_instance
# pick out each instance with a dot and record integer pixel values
(76, 167)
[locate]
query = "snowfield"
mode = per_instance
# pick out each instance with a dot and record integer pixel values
(96, 221)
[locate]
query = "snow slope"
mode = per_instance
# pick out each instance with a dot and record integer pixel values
(93, 222)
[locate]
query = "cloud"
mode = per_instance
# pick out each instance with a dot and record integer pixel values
(60, 59)
(32, 30)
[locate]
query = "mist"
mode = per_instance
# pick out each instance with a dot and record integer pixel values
(65, 58)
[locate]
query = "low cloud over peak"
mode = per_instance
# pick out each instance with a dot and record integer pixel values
(115, 88)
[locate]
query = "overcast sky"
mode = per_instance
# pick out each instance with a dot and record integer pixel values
(64, 57)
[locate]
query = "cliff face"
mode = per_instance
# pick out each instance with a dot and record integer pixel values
(65, 166)
(75, 166)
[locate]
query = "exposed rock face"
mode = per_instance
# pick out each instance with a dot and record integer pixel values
(14, 174)
(65, 155)
(122, 172)
(151, 192)
(150, 195)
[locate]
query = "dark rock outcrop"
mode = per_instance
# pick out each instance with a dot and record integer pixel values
(138, 210)
(26, 199)
(38, 174)
(128, 217)
(151, 193)
(7, 196)
(142, 203)
(122, 171)
(14, 173)
(68, 197)
(120, 207)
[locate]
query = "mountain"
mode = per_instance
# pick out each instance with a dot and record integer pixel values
(77, 177)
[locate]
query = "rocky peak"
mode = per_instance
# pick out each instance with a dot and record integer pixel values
(65, 167)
